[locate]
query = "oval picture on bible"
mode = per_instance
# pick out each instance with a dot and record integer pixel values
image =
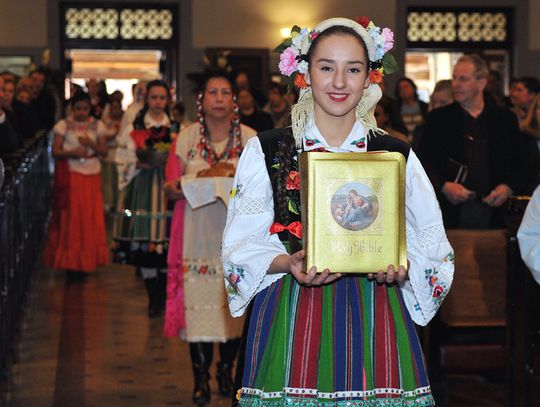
(354, 206)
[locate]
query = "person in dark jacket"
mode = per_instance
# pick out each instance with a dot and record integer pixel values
(470, 150)
(24, 111)
(9, 139)
(250, 115)
(44, 103)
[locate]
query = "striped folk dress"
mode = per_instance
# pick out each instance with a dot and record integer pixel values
(352, 342)
(141, 227)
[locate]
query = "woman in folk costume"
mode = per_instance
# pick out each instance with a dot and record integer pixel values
(210, 149)
(175, 321)
(322, 339)
(141, 224)
(77, 239)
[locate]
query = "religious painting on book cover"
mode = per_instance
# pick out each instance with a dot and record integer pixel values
(354, 206)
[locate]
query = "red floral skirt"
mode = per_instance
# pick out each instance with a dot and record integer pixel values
(77, 237)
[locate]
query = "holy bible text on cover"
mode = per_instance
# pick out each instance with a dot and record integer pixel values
(353, 210)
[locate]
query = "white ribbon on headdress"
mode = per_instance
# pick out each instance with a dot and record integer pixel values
(345, 22)
(302, 111)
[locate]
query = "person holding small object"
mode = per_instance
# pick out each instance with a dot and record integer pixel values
(314, 337)
(470, 150)
(77, 240)
(207, 149)
(141, 232)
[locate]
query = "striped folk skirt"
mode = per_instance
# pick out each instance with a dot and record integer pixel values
(351, 343)
(142, 221)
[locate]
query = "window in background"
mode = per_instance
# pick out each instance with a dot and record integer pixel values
(427, 68)
(120, 69)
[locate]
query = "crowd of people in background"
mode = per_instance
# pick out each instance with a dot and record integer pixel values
(26, 106)
(478, 146)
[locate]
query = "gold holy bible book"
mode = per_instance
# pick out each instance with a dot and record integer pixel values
(353, 210)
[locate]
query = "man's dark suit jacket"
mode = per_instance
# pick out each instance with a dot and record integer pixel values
(443, 144)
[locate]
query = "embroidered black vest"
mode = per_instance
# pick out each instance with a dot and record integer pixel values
(270, 142)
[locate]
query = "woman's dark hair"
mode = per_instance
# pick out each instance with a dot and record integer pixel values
(157, 83)
(216, 73)
(285, 155)
(340, 30)
(116, 95)
(410, 82)
(530, 82)
(80, 96)
(138, 123)
(274, 85)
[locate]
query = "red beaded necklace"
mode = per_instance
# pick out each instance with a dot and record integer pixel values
(234, 144)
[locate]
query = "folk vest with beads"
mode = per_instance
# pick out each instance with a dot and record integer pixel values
(271, 141)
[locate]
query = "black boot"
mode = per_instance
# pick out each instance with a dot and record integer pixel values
(151, 284)
(227, 352)
(162, 290)
(201, 358)
(224, 379)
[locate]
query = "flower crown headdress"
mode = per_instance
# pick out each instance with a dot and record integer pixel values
(294, 64)
(293, 59)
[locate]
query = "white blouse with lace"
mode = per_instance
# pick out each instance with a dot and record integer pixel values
(248, 248)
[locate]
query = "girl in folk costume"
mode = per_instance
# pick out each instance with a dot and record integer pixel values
(141, 227)
(322, 339)
(209, 148)
(77, 238)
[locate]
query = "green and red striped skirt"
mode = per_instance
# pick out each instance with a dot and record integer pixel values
(141, 226)
(351, 343)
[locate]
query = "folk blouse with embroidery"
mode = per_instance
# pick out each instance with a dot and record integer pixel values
(248, 248)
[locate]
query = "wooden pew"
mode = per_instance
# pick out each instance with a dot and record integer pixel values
(471, 333)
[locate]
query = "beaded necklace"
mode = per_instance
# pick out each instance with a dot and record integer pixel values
(234, 144)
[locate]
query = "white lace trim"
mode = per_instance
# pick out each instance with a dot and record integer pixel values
(427, 237)
(259, 239)
(252, 206)
(336, 395)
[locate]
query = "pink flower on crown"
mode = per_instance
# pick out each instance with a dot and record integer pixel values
(389, 39)
(287, 61)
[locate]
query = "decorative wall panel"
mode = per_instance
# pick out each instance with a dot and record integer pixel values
(85, 22)
(458, 27)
